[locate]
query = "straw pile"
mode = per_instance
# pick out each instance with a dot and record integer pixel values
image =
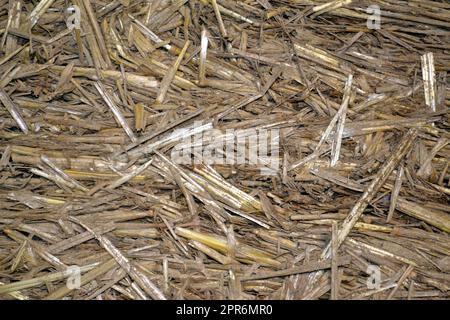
(90, 114)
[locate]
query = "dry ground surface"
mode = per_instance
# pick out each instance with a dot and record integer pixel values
(355, 101)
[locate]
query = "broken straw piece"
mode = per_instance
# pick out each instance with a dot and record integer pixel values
(71, 181)
(139, 117)
(39, 10)
(429, 80)
(222, 29)
(115, 110)
(165, 83)
(327, 7)
(130, 175)
(13, 110)
(336, 146)
(202, 61)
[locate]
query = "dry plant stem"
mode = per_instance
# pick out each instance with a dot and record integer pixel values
(334, 264)
(139, 117)
(13, 111)
(336, 146)
(64, 290)
(115, 110)
(129, 176)
(220, 244)
(146, 284)
(97, 30)
(403, 147)
(9, 56)
(16, 295)
(400, 282)
(38, 11)
(133, 79)
(38, 281)
(223, 31)
(166, 81)
(435, 218)
(329, 6)
(72, 182)
(395, 193)
(429, 80)
(202, 61)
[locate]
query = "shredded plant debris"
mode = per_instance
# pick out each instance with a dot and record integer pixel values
(196, 149)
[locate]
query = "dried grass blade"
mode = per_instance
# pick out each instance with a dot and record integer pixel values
(115, 110)
(336, 146)
(429, 80)
(13, 111)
